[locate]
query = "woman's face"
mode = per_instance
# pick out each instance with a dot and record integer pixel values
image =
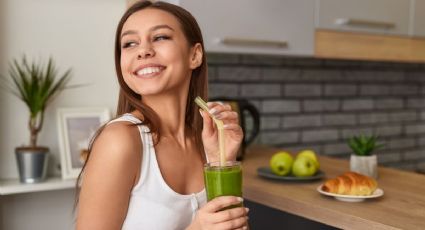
(155, 55)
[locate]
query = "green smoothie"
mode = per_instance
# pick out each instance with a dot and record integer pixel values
(223, 180)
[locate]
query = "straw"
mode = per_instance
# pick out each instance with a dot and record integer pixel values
(220, 128)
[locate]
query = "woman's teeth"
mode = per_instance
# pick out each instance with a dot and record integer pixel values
(148, 70)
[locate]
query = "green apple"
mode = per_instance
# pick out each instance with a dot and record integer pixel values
(304, 167)
(310, 154)
(281, 163)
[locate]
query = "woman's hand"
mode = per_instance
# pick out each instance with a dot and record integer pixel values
(210, 216)
(233, 134)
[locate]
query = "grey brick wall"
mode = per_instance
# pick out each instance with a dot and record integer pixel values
(319, 103)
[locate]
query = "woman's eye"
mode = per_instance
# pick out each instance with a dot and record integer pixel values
(128, 44)
(161, 37)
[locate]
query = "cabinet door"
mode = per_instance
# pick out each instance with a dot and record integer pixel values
(372, 16)
(252, 26)
(419, 18)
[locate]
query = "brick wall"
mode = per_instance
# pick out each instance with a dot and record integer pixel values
(318, 104)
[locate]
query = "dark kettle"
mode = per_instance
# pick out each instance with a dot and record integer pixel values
(241, 106)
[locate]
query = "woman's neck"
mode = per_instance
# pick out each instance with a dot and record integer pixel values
(171, 110)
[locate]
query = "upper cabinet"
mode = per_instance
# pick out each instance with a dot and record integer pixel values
(419, 18)
(252, 26)
(391, 30)
(371, 16)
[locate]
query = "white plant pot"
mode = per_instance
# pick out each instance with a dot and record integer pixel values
(366, 165)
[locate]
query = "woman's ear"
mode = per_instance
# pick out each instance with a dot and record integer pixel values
(196, 56)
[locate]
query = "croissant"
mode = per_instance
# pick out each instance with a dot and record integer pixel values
(351, 183)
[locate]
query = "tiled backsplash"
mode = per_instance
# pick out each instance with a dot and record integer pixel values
(318, 104)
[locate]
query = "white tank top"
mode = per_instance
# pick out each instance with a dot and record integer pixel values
(153, 204)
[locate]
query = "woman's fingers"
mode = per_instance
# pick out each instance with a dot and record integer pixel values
(242, 228)
(233, 224)
(208, 124)
(227, 115)
(215, 108)
(210, 215)
(223, 112)
(230, 214)
(221, 202)
(233, 127)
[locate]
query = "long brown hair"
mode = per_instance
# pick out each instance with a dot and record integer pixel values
(129, 100)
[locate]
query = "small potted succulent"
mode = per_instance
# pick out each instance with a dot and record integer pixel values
(363, 160)
(36, 85)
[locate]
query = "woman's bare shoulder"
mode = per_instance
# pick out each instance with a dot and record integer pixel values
(118, 141)
(115, 154)
(119, 135)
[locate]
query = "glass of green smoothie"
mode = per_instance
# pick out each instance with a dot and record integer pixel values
(223, 180)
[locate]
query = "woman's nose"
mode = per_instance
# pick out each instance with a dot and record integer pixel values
(145, 52)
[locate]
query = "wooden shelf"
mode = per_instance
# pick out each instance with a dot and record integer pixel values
(13, 186)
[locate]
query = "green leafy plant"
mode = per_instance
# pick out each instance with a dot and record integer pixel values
(36, 85)
(364, 145)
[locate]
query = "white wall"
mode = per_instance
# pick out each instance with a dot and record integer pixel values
(77, 34)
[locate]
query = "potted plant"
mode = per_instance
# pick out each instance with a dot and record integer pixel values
(36, 85)
(363, 160)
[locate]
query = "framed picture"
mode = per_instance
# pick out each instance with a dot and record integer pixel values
(76, 128)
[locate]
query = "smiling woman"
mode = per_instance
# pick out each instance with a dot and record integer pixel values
(151, 52)
(144, 168)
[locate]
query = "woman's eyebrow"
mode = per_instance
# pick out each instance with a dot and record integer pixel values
(164, 26)
(128, 32)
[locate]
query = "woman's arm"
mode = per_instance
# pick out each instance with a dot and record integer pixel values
(109, 176)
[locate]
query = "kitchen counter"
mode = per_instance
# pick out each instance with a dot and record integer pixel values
(401, 207)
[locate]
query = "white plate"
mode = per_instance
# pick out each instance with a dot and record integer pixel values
(349, 198)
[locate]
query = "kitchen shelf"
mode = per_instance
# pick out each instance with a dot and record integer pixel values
(13, 186)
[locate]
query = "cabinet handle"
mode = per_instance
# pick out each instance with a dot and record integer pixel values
(364, 23)
(253, 42)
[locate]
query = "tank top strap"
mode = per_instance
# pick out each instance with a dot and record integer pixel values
(131, 118)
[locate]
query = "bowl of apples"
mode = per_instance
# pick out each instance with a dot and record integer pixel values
(305, 166)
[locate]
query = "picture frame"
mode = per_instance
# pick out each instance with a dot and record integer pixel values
(76, 127)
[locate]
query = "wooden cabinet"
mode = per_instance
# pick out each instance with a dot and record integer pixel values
(361, 46)
(252, 26)
(370, 16)
(419, 18)
(380, 30)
